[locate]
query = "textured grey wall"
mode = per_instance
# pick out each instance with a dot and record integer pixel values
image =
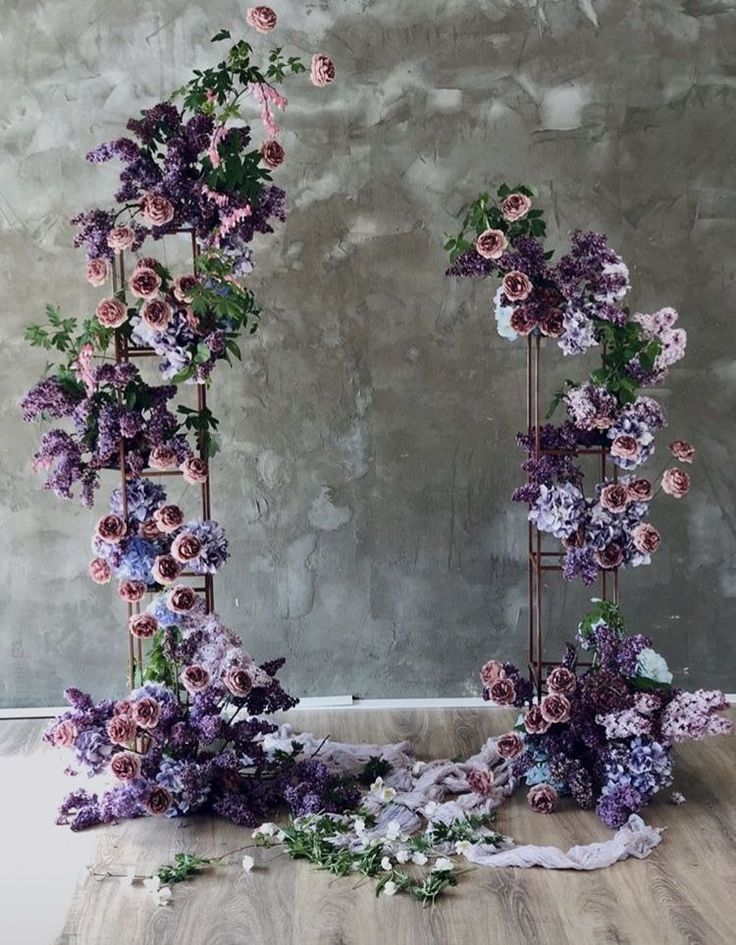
(369, 449)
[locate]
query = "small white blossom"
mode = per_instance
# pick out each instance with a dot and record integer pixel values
(265, 830)
(162, 895)
(418, 767)
(382, 793)
(419, 858)
(429, 808)
(442, 864)
(248, 863)
(359, 826)
(386, 864)
(403, 856)
(390, 888)
(393, 831)
(462, 847)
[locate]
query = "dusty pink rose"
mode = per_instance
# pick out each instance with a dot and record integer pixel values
(158, 801)
(542, 798)
(144, 283)
(502, 691)
(682, 450)
(625, 447)
(64, 733)
(195, 678)
(615, 497)
(183, 286)
(561, 680)
(156, 314)
(322, 70)
(131, 591)
(149, 529)
(515, 207)
(261, 18)
(272, 154)
(99, 570)
(516, 286)
(522, 323)
(552, 323)
(609, 557)
(97, 272)
(480, 781)
(165, 569)
(111, 529)
(185, 547)
(124, 707)
(194, 470)
(147, 262)
(181, 599)
(510, 745)
(534, 722)
(125, 766)
(646, 538)
(143, 625)
(491, 244)
(120, 729)
(146, 712)
(156, 210)
(491, 671)
(555, 708)
(640, 490)
(168, 518)
(238, 681)
(120, 238)
(676, 482)
(162, 457)
(111, 313)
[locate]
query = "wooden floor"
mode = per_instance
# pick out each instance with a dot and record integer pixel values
(684, 893)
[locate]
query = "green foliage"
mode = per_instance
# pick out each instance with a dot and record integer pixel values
(603, 612)
(203, 424)
(157, 667)
(623, 343)
(185, 866)
(374, 768)
(485, 212)
(468, 828)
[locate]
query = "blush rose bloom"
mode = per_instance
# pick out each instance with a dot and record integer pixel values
(322, 70)
(168, 518)
(156, 314)
(238, 681)
(491, 671)
(555, 708)
(100, 571)
(521, 322)
(515, 207)
(676, 482)
(609, 557)
(510, 745)
(480, 781)
(125, 766)
(111, 529)
(625, 447)
(682, 450)
(162, 457)
(195, 678)
(149, 529)
(646, 538)
(120, 729)
(491, 244)
(156, 210)
(552, 323)
(185, 547)
(194, 470)
(131, 591)
(261, 18)
(561, 680)
(272, 154)
(158, 801)
(111, 313)
(640, 490)
(143, 626)
(181, 599)
(615, 497)
(534, 722)
(97, 272)
(542, 798)
(144, 283)
(516, 286)
(165, 569)
(146, 712)
(183, 286)
(502, 691)
(120, 238)
(64, 733)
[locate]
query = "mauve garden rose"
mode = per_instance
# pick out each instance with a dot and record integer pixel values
(322, 70)
(120, 729)
(676, 482)
(609, 557)
(120, 238)
(491, 244)
(156, 314)
(510, 745)
(615, 497)
(502, 691)
(162, 457)
(516, 286)
(147, 262)
(491, 671)
(646, 538)
(165, 569)
(542, 798)
(64, 733)
(143, 626)
(640, 490)
(552, 323)
(521, 322)
(111, 313)
(97, 272)
(555, 708)
(146, 712)
(168, 518)
(194, 470)
(625, 447)
(534, 722)
(125, 766)
(238, 681)
(131, 591)
(480, 781)
(185, 547)
(272, 154)
(682, 450)
(149, 529)
(158, 801)
(181, 599)
(561, 680)
(99, 570)
(578, 539)
(515, 207)
(144, 283)
(183, 286)
(195, 678)
(261, 18)
(156, 210)
(111, 529)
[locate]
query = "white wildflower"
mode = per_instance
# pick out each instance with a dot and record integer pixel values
(429, 809)
(419, 858)
(442, 864)
(161, 895)
(386, 864)
(403, 856)
(393, 831)
(462, 847)
(248, 863)
(381, 792)
(390, 888)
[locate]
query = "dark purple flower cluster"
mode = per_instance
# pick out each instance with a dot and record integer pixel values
(312, 788)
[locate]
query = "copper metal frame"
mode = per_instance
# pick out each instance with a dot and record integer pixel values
(125, 352)
(540, 561)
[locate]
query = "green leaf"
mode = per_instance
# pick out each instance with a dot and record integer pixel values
(202, 354)
(223, 34)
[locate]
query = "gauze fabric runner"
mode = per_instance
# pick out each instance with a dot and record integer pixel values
(439, 791)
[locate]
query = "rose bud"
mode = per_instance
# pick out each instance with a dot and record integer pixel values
(521, 321)
(534, 722)
(555, 708)
(156, 210)
(146, 712)
(195, 679)
(165, 569)
(111, 313)
(63, 734)
(625, 447)
(615, 497)
(640, 490)
(552, 323)
(502, 691)
(676, 482)
(515, 207)
(542, 798)
(162, 457)
(322, 70)
(144, 283)
(120, 729)
(194, 470)
(158, 801)
(561, 680)
(610, 557)
(131, 591)
(238, 681)
(261, 18)
(183, 286)
(181, 599)
(111, 529)
(99, 570)
(156, 314)
(510, 745)
(491, 244)
(516, 286)
(185, 547)
(272, 154)
(682, 450)
(143, 625)
(125, 766)
(168, 518)
(120, 238)
(480, 781)
(97, 272)
(491, 671)
(646, 538)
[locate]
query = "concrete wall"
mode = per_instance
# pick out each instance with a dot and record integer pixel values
(369, 449)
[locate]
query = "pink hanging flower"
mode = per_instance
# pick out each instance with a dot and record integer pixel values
(83, 367)
(267, 96)
(97, 272)
(322, 70)
(231, 220)
(218, 135)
